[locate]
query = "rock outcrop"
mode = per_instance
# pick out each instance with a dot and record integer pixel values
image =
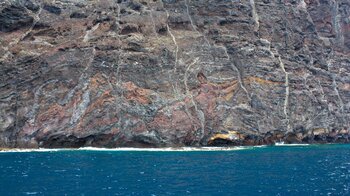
(145, 73)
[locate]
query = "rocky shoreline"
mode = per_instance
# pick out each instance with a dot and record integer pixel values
(316, 137)
(223, 139)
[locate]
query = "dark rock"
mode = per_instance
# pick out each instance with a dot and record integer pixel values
(29, 5)
(52, 9)
(292, 138)
(13, 18)
(135, 5)
(78, 15)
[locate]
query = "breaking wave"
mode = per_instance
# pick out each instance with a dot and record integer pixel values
(170, 149)
(283, 144)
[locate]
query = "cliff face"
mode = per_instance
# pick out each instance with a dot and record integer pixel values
(173, 72)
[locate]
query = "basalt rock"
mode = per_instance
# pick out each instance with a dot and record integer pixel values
(173, 73)
(13, 18)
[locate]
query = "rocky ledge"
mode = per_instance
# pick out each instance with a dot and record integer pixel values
(145, 73)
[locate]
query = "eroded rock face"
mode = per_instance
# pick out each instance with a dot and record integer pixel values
(173, 73)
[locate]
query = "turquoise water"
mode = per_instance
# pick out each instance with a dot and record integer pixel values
(307, 170)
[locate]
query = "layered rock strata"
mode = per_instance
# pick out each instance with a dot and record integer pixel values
(153, 73)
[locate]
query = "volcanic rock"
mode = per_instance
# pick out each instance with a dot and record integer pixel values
(154, 73)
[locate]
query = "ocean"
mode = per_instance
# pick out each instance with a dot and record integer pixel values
(274, 170)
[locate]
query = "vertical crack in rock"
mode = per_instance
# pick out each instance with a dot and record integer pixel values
(188, 92)
(116, 73)
(285, 25)
(337, 23)
(176, 55)
(14, 134)
(117, 19)
(255, 16)
(335, 86)
(80, 109)
(200, 114)
(309, 91)
(194, 26)
(237, 71)
(175, 43)
(153, 23)
(286, 83)
(322, 91)
(232, 63)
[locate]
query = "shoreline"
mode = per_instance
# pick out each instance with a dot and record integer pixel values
(166, 149)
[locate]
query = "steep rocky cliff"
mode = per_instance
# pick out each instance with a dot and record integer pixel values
(173, 72)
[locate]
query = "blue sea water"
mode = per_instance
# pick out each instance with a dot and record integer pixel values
(297, 170)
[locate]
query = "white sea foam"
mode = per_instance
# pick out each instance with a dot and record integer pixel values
(168, 149)
(261, 146)
(182, 149)
(31, 193)
(283, 144)
(34, 150)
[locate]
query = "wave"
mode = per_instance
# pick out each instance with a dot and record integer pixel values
(34, 150)
(169, 149)
(283, 144)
